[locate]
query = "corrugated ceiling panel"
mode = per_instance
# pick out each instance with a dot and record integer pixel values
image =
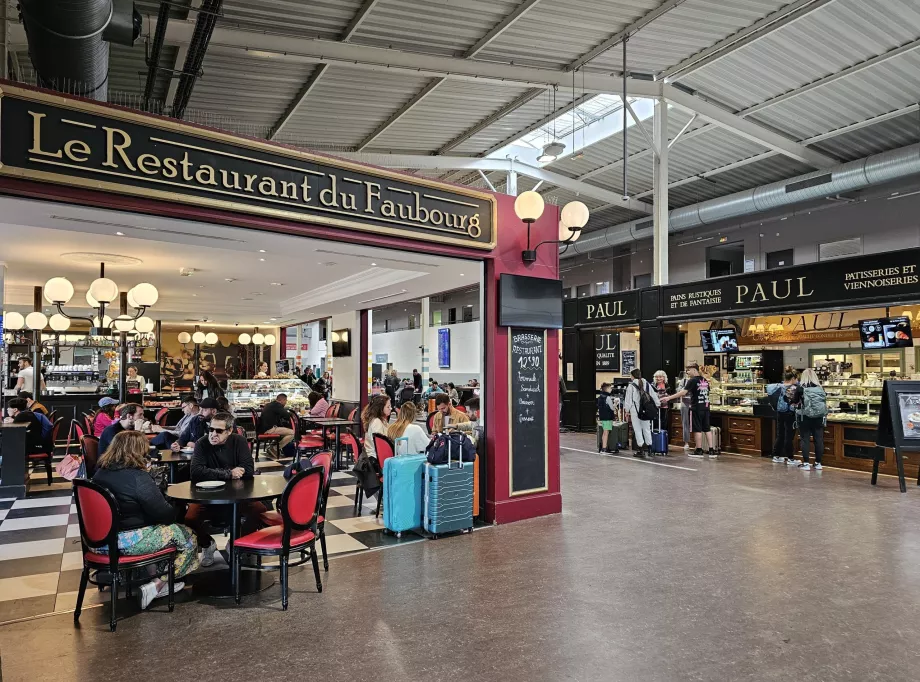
(613, 215)
(346, 106)
(247, 89)
(765, 171)
(435, 27)
(711, 150)
(891, 134)
(443, 114)
(883, 88)
(824, 42)
(316, 18)
(556, 33)
(684, 31)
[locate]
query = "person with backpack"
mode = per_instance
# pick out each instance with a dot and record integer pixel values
(811, 417)
(782, 397)
(605, 415)
(642, 403)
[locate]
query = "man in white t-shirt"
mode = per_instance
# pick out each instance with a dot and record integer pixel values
(26, 377)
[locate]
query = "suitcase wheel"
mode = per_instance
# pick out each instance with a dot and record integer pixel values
(399, 534)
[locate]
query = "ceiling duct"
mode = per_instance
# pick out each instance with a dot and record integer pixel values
(872, 170)
(68, 41)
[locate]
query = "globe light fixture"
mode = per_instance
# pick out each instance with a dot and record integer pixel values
(269, 339)
(36, 321)
(93, 303)
(144, 325)
(198, 338)
(58, 290)
(529, 206)
(124, 323)
(13, 321)
(145, 294)
(59, 323)
(573, 217)
(210, 338)
(184, 337)
(103, 290)
(244, 339)
(258, 339)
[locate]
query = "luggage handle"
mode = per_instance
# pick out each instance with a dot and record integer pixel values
(459, 459)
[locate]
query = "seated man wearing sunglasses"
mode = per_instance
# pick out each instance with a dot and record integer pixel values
(222, 455)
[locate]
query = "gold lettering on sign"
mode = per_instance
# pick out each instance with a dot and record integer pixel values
(74, 147)
(606, 309)
(111, 148)
(780, 290)
(36, 147)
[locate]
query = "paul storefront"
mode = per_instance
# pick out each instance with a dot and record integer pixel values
(57, 150)
(803, 316)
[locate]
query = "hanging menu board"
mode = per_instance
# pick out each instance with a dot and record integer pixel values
(528, 443)
(629, 362)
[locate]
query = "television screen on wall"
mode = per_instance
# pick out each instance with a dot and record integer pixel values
(886, 332)
(529, 302)
(341, 343)
(719, 340)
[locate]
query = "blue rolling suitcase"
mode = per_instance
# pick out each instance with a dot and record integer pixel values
(402, 493)
(448, 503)
(659, 439)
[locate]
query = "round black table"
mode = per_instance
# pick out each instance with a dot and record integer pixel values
(172, 460)
(256, 489)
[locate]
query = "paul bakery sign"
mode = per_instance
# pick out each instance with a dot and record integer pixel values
(880, 278)
(53, 139)
(614, 309)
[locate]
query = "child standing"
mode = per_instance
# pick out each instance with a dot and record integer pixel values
(605, 413)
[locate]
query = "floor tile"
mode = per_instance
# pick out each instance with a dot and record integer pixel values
(12, 568)
(337, 544)
(45, 491)
(29, 503)
(67, 601)
(23, 550)
(335, 501)
(34, 522)
(72, 545)
(71, 561)
(31, 535)
(377, 538)
(24, 587)
(24, 608)
(69, 581)
(73, 530)
(34, 512)
(359, 524)
(7, 503)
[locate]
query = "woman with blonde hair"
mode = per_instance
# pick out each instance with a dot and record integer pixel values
(146, 518)
(405, 427)
(811, 414)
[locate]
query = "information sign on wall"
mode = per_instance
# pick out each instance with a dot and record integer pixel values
(444, 348)
(607, 351)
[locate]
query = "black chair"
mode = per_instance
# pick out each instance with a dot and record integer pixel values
(98, 514)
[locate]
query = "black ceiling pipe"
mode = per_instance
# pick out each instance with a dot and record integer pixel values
(204, 27)
(156, 48)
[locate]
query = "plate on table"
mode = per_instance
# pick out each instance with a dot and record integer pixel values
(187, 451)
(211, 485)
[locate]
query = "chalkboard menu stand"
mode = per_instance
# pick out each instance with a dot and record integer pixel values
(527, 410)
(898, 425)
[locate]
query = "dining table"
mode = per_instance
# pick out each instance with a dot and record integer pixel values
(325, 423)
(172, 459)
(220, 583)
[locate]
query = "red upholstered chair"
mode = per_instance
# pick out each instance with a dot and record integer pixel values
(336, 408)
(90, 448)
(160, 417)
(97, 512)
(273, 518)
(299, 509)
(460, 408)
(88, 420)
(385, 448)
(261, 438)
(353, 414)
(329, 411)
(430, 420)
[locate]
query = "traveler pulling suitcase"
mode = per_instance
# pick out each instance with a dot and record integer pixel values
(402, 497)
(659, 439)
(448, 502)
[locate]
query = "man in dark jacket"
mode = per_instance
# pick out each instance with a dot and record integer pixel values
(221, 456)
(417, 380)
(38, 437)
(407, 393)
(129, 414)
(276, 419)
(197, 428)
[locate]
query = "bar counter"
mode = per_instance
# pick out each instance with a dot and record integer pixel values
(848, 444)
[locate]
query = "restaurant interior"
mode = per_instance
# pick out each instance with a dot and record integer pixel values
(226, 300)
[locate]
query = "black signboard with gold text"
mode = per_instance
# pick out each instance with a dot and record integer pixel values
(609, 309)
(882, 278)
(55, 139)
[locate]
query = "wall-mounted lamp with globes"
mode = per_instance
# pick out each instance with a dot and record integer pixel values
(529, 207)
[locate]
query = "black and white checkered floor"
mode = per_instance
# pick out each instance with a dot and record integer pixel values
(40, 560)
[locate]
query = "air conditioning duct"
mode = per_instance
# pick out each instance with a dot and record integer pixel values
(872, 170)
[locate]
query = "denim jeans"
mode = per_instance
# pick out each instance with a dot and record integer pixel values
(785, 431)
(814, 427)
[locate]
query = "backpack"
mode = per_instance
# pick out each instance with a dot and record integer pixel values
(814, 402)
(450, 446)
(647, 409)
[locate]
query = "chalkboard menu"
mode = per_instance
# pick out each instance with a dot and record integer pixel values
(629, 362)
(606, 351)
(528, 393)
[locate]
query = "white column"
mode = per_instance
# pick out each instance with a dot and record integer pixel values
(511, 184)
(423, 326)
(297, 358)
(660, 256)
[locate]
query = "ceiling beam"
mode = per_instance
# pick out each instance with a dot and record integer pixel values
(747, 129)
(496, 31)
(358, 19)
(486, 122)
(759, 29)
(320, 70)
(618, 38)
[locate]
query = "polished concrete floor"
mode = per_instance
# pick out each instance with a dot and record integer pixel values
(736, 569)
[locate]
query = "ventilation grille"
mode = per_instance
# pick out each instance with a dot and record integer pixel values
(644, 225)
(840, 249)
(810, 182)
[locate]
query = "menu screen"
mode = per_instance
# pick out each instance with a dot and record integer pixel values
(909, 407)
(719, 341)
(886, 332)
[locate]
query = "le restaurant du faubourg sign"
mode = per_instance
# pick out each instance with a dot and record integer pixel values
(55, 139)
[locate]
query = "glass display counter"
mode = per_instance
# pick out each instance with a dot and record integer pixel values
(247, 394)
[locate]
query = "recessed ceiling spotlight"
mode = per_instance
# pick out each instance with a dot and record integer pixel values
(272, 319)
(462, 275)
(229, 279)
(119, 234)
(373, 264)
(261, 250)
(262, 259)
(201, 286)
(246, 299)
(277, 284)
(256, 293)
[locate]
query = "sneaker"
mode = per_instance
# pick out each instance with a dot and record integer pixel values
(696, 453)
(818, 467)
(792, 462)
(147, 594)
(805, 466)
(164, 591)
(713, 453)
(207, 554)
(778, 460)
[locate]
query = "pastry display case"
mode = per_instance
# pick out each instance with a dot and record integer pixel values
(247, 394)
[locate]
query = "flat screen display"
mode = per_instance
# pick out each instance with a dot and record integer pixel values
(719, 341)
(885, 332)
(341, 343)
(530, 302)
